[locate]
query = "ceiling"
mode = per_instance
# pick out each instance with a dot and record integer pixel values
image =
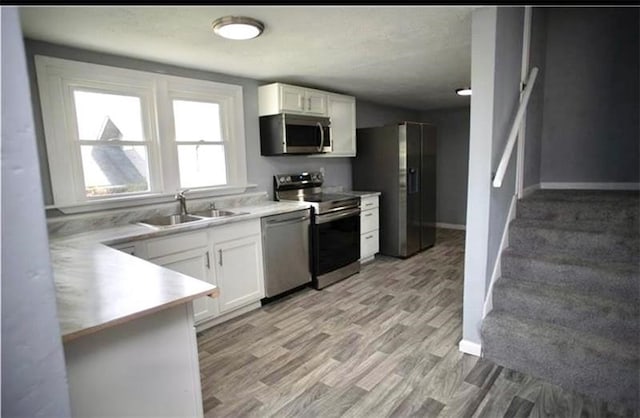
(406, 56)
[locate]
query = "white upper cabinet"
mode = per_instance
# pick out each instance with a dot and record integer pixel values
(342, 112)
(283, 98)
(341, 109)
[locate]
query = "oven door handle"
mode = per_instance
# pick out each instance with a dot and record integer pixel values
(339, 208)
(321, 219)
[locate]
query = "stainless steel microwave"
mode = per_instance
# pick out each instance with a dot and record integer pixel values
(286, 133)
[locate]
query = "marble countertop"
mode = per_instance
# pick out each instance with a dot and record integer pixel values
(98, 287)
(362, 194)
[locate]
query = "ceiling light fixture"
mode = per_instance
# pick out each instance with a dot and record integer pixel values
(464, 91)
(237, 27)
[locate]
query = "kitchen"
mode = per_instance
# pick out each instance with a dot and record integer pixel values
(261, 170)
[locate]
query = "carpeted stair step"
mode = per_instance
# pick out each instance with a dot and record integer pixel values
(591, 241)
(619, 212)
(581, 311)
(611, 280)
(596, 366)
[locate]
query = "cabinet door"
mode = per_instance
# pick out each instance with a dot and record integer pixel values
(316, 103)
(292, 99)
(342, 111)
(195, 263)
(239, 272)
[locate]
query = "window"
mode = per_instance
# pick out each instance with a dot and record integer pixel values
(114, 134)
(200, 143)
(113, 146)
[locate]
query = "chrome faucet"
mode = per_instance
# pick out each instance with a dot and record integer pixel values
(180, 197)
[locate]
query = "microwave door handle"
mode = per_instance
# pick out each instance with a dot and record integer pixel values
(321, 136)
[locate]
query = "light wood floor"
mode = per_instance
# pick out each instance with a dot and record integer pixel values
(381, 343)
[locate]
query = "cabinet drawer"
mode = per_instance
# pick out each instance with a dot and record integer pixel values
(175, 243)
(369, 244)
(369, 220)
(369, 202)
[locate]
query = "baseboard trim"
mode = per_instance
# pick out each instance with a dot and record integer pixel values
(450, 226)
(530, 189)
(591, 186)
(227, 316)
(469, 347)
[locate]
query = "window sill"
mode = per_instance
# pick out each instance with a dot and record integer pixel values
(148, 199)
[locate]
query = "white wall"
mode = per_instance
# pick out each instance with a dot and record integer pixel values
(34, 382)
(496, 50)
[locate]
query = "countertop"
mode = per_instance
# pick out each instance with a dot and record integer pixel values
(99, 287)
(362, 194)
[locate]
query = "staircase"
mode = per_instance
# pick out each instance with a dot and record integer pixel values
(566, 308)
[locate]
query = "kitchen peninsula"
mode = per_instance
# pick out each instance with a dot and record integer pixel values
(128, 325)
(127, 329)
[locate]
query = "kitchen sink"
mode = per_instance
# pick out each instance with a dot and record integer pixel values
(169, 220)
(216, 213)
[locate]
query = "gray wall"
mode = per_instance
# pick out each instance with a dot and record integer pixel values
(452, 163)
(260, 170)
(371, 114)
(34, 379)
(535, 110)
(505, 104)
(496, 50)
(591, 94)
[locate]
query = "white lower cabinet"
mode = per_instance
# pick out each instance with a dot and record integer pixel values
(190, 254)
(238, 266)
(195, 263)
(228, 256)
(369, 228)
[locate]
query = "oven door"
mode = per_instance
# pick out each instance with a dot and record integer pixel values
(336, 240)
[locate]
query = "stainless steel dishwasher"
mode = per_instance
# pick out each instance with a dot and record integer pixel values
(285, 245)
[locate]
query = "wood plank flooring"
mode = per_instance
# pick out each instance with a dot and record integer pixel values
(382, 343)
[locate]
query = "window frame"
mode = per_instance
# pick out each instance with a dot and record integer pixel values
(57, 79)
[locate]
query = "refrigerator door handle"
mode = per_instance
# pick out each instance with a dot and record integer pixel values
(412, 181)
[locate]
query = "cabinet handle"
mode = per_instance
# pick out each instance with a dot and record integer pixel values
(369, 237)
(309, 101)
(220, 257)
(368, 204)
(368, 214)
(208, 261)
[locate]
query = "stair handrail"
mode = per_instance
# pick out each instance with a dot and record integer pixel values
(508, 149)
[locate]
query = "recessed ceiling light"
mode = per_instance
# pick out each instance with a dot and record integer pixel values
(237, 27)
(464, 91)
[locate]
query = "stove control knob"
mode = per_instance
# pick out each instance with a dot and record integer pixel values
(282, 179)
(288, 180)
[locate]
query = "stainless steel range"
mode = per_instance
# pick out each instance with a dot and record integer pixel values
(335, 226)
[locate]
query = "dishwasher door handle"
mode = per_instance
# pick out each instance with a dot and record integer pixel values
(287, 221)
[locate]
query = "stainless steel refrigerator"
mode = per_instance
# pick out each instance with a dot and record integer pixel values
(400, 161)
